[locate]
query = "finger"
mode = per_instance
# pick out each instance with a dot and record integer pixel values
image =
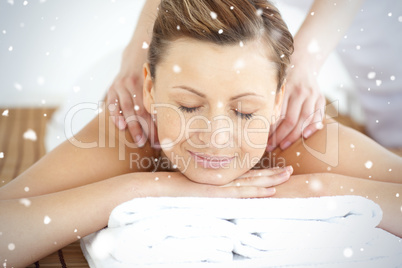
(114, 109)
(316, 122)
(128, 107)
(265, 181)
(306, 115)
(288, 123)
(262, 172)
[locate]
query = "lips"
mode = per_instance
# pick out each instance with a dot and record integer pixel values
(211, 161)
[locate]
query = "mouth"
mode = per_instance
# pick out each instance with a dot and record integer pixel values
(211, 161)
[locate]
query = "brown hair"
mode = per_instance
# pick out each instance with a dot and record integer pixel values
(223, 22)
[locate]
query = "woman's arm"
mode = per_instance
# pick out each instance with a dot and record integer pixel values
(72, 165)
(341, 150)
(387, 195)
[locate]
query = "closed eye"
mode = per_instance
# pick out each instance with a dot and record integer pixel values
(188, 110)
(244, 116)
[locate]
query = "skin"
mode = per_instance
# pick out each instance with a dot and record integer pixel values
(302, 98)
(73, 189)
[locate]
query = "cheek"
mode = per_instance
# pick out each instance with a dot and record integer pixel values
(255, 134)
(170, 124)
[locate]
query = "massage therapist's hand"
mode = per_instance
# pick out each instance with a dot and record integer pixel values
(125, 102)
(253, 184)
(299, 116)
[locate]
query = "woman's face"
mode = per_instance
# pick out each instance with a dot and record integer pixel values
(213, 106)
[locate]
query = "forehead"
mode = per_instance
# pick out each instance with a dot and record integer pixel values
(246, 64)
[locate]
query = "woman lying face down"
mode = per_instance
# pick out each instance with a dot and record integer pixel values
(214, 82)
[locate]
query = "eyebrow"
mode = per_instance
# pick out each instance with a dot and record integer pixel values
(192, 90)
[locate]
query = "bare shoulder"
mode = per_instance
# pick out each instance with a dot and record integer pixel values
(98, 152)
(342, 150)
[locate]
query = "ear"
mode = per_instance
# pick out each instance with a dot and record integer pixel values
(278, 101)
(148, 88)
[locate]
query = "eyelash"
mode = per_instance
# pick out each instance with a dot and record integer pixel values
(191, 110)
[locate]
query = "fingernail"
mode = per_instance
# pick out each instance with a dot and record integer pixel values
(122, 123)
(270, 148)
(157, 145)
(285, 145)
(270, 191)
(138, 139)
(289, 169)
(307, 133)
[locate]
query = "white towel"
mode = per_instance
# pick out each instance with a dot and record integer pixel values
(216, 232)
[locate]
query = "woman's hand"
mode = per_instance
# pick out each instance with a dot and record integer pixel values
(302, 108)
(253, 184)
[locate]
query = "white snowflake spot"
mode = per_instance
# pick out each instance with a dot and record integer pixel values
(5, 113)
(376, 121)
(169, 176)
(368, 164)
(4, 31)
(220, 31)
(260, 12)
(26, 189)
(297, 153)
(368, 89)
(219, 176)
(220, 104)
(390, 14)
(136, 108)
(1, 155)
(75, 230)
(156, 179)
(18, 86)
(378, 82)
(145, 45)
(397, 195)
(25, 201)
(174, 166)
(25, 3)
(329, 168)
(11, 246)
(392, 78)
(400, 18)
(47, 220)
(134, 96)
(231, 7)
(239, 64)
(358, 47)
(307, 182)
(241, 44)
(352, 190)
(177, 69)
(30, 135)
(352, 146)
(371, 75)
(178, 27)
(213, 15)
(313, 47)
(10, 48)
(319, 125)
(282, 56)
(52, 28)
(390, 169)
(312, 13)
(40, 80)
(315, 185)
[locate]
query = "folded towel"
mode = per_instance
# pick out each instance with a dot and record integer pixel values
(326, 232)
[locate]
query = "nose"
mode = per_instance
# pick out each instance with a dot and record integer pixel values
(219, 133)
